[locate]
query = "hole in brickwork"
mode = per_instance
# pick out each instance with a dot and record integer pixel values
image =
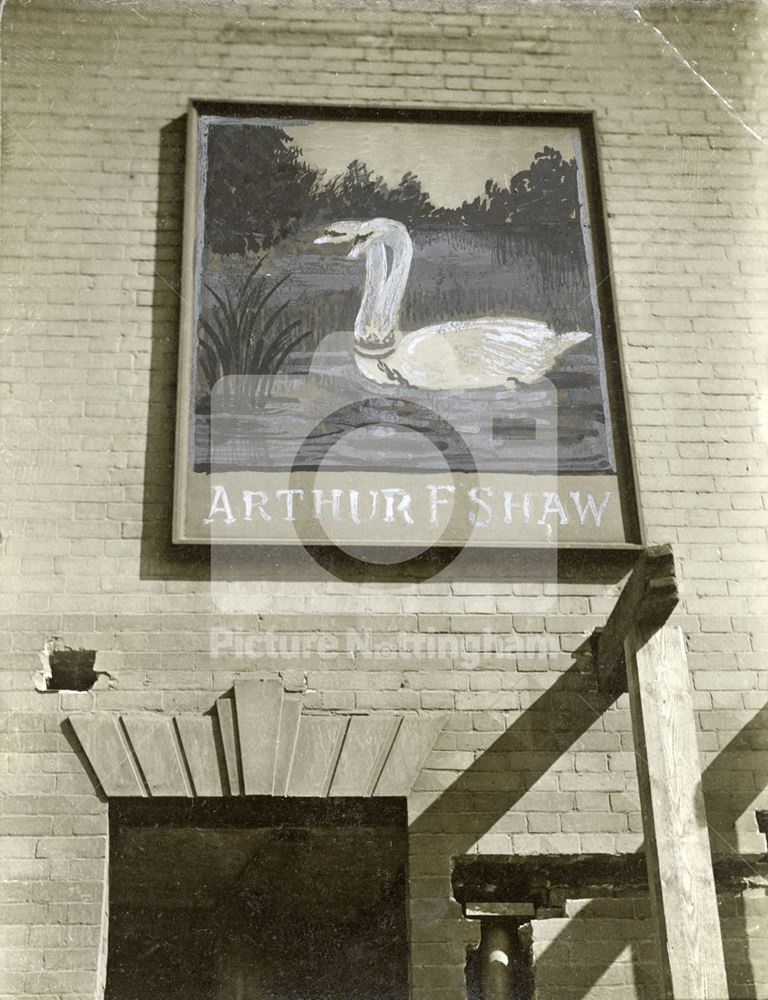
(71, 670)
(472, 974)
(546, 880)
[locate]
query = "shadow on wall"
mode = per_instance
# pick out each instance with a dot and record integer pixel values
(589, 944)
(160, 559)
(593, 939)
(607, 946)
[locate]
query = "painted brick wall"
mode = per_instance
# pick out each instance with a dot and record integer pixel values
(93, 95)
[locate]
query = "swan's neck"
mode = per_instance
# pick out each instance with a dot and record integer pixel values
(372, 337)
(378, 319)
(401, 249)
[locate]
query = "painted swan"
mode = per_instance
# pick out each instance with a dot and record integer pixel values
(459, 354)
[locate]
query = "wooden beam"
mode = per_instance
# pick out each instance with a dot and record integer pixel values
(677, 846)
(499, 909)
(649, 597)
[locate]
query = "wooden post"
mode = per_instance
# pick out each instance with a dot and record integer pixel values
(637, 650)
(677, 847)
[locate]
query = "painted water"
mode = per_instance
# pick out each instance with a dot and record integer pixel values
(304, 413)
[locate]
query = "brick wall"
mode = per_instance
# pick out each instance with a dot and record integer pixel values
(605, 948)
(93, 95)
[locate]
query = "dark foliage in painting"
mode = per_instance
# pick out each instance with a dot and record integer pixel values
(359, 193)
(545, 194)
(245, 334)
(258, 188)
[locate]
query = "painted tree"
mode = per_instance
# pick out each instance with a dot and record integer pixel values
(358, 193)
(545, 194)
(257, 187)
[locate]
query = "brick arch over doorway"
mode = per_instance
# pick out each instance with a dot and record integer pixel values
(258, 741)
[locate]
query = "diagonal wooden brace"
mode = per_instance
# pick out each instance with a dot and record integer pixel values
(649, 597)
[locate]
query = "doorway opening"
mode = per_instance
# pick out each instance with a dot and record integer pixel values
(268, 898)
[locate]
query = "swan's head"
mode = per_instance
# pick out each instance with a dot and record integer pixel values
(362, 235)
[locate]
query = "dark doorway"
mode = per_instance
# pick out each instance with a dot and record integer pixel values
(258, 899)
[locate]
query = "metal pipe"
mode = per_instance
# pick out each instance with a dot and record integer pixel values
(495, 970)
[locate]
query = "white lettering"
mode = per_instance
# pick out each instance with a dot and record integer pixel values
(289, 495)
(436, 501)
(249, 506)
(334, 503)
(390, 494)
(590, 507)
(553, 505)
(354, 500)
(474, 516)
(485, 505)
(354, 505)
(510, 505)
(220, 505)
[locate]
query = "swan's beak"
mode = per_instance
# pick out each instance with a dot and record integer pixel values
(337, 234)
(346, 232)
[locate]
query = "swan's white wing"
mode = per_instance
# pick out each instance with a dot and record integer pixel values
(482, 352)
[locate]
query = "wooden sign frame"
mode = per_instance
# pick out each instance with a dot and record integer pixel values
(577, 494)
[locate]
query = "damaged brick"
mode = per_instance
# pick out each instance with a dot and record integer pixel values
(67, 669)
